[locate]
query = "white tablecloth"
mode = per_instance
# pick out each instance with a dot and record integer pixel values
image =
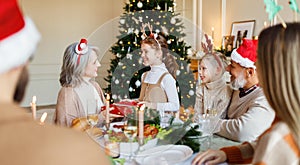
(217, 142)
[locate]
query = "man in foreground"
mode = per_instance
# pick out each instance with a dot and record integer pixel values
(22, 140)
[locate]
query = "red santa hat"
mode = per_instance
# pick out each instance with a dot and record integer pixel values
(18, 36)
(245, 55)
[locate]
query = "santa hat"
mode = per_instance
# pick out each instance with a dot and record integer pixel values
(18, 36)
(245, 55)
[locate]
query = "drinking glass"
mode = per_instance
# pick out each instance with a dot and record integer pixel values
(130, 131)
(208, 124)
(164, 119)
(92, 113)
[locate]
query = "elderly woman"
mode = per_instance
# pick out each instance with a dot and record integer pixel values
(79, 91)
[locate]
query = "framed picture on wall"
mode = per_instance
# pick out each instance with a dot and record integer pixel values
(240, 30)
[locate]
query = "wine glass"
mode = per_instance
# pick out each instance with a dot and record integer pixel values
(130, 131)
(92, 113)
(209, 124)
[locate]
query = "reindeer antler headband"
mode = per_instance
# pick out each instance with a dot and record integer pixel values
(152, 35)
(81, 49)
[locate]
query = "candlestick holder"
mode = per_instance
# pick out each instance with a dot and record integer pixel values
(141, 141)
(107, 125)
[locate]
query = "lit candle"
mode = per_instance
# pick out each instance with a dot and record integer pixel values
(212, 32)
(33, 107)
(141, 124)
(43, 118)
(166, 6)
(107, 109)
(265, 24)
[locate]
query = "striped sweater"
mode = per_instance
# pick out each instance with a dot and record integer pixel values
(274, 146)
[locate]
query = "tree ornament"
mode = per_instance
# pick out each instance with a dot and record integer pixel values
(169, 41)
(119, 55)
(139, 4)
(130, 89)
(122, 21)
(173, 20)
(123, 75)
(140, 61)
(127, 81)
(164, 30)
(130, 30)
(141, 19)
(158, 7)
(177, 72)
(138, 83)
(129, 56)
(120, 64)
(191, 93)
(136, 32)
(121, 42)
(114, 96)
(117, 81)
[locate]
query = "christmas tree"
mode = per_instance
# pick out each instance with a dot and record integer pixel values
(124, 78)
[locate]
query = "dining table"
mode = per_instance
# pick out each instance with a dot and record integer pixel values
(217, 142)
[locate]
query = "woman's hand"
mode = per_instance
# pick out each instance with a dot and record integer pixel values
(210, 157)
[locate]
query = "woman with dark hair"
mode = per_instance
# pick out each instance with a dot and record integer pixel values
(279, 75)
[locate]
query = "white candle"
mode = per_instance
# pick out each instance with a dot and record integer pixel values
(166, 6)
(43, 118)
(212, 32)
(33, 107)
(107, 109)
(265, 24)
(141, 124)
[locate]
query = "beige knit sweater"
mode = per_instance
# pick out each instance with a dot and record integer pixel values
(276, 146)
(216, 93)
(247, 117)
(70, 107)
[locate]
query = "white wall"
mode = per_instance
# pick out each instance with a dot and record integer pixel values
(62, 23)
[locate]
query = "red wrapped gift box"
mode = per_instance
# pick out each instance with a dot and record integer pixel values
(121, 108)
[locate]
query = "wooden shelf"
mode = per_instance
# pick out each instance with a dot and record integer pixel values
(194, 68)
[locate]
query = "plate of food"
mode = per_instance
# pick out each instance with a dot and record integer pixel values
(170, 154)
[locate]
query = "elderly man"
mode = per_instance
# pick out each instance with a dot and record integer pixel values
(249, 113)
(22, 140)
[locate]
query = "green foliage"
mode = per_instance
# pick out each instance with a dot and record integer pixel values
(117, 161)
(183, 135)
(224, 51)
